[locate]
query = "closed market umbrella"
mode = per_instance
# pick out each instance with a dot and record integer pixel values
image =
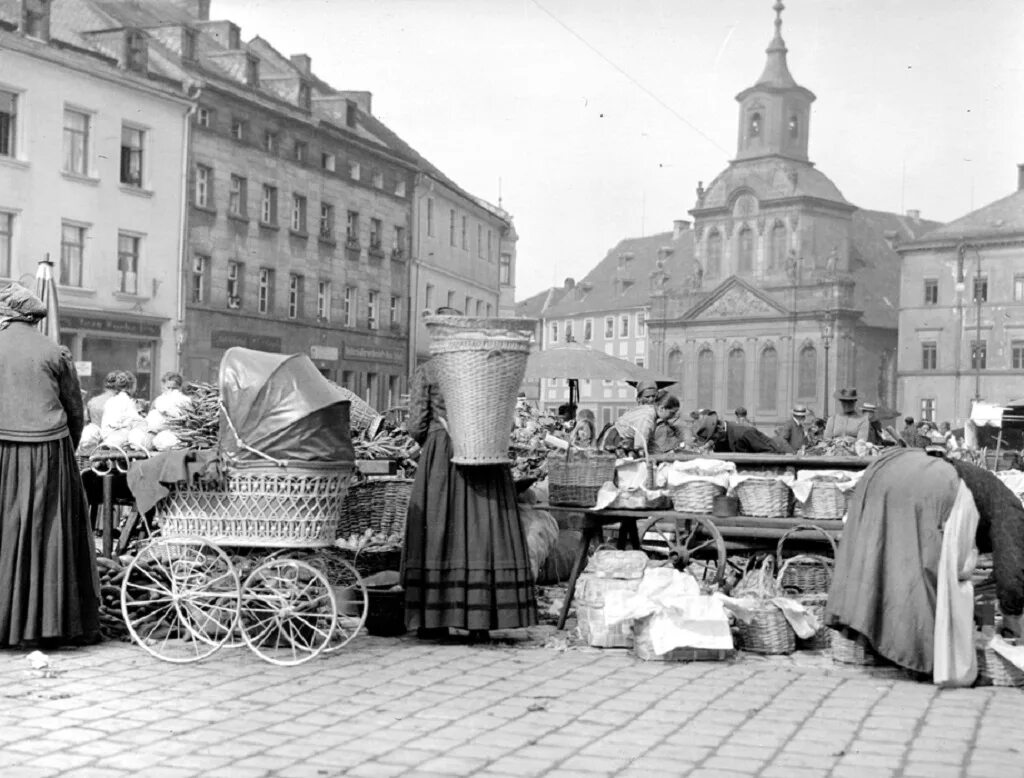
(46, 290)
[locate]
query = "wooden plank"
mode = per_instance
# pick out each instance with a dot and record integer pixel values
(773, 460)
(377, 466)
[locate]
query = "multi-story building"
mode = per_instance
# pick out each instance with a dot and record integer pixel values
(537, 307)
(962, 313)
(92, 154)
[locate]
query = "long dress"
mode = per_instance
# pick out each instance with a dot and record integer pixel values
(465, 562)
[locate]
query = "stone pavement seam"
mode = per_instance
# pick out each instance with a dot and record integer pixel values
(860, 728)
(972, 743)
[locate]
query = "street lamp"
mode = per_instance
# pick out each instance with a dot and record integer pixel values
(826, 340)
(961, 277)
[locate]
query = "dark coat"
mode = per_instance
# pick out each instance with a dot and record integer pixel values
(793, 434)
(744, 439)
(40, 399)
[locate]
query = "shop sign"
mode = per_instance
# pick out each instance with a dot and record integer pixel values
(228, 339)
(84, 369)
(324, 353)
(373, 353)
(107, 324)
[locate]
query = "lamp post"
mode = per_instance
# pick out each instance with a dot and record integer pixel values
(180, 332)
(826, 341)
(976, 353)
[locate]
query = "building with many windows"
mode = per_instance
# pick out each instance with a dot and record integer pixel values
(962, 312)
(92, 154)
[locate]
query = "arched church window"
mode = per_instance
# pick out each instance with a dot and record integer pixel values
(735, 378)
(807, 373)
(777, 250)
(768, 380)
(675, 364)
(794, 126)
(706, 378)
(755, 125)
(745, 249)
(714, 263)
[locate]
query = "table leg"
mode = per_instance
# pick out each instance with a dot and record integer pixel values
(628, 533)
(577, 566)
(108, 514)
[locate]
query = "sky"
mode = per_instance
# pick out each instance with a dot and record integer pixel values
(593, 120)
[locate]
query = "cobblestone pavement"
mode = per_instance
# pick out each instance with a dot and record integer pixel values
(399, 707)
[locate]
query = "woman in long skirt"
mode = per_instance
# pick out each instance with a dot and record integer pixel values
(48, 582)
(465, 563)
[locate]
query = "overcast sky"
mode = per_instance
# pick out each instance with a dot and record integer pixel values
(600, 116)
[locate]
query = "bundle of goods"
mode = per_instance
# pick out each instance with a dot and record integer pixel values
(395, 445)
(480, 364)
(199, 424)
(608, 573)
(823, 494)
(843, 447)
(764, 496)
(112, 572)
(695, 484)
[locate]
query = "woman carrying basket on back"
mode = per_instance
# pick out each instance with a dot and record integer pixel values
(465, 562)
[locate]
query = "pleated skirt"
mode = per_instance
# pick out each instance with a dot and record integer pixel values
(465, 562)
(49, 586)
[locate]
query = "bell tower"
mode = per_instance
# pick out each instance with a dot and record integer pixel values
(775, 112)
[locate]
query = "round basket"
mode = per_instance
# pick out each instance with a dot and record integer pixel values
(480, 364)
(822, 639)
(764, 497)
(768, 633)
(378, 504)
(994, 670)
(696, 497)
(849, 648)
(805, 573)
(825, 501)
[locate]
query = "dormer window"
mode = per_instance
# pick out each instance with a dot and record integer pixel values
(234, 37)
(135, 51)
(794, 126)
(754, 128)
(350, 113)
(304, 96)
(188, 44)
(252, 71)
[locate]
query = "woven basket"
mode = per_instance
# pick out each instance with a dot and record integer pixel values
(994, 670)
(853, 650)
(696, 496)
(825, 501)
(808, 570)
(480, 364)
(805, 573)
(295, 507)
(379, 504)
(822, 639)
(768, 633)
(576, 477)
(765, 497)
(371, 560)
(361, 415)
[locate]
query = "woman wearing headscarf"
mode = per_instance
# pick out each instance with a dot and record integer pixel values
(48, 580)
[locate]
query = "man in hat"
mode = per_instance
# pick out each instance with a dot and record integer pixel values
(791, 433)
(847, 422)
(741, 416)
(877, 434)
(740, 438)
(646, 392)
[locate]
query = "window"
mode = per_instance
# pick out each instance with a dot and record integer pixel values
(393, 312)
(300, 151)
(305, 96)
(252, 71)
(235, 275)
(238, 129)
(490, 254)
(745, 257)
(931, 291)
(376, 234)
(76, 142)
(399, 248)
(298, 213)
(489, 310)
(371, 310)
(400, 189)
(430, 217)
(505, 270)
(270, 143)
(451, 299)
(327, 161)
(204, 184)
(928, 410)
(714, 254)
(624, 325)
(736, 378)
(354, 171)
(428, 297)
(326, 221)
(349, 306)
(378, 180)
(352, 227)
(200, 267)
(72, 250)
(268, 205)
(468, 308)
(479, 240)
(929, 355)
(794, 126)
(465, 237)
(568, 331)
(265, 301)
(641, 324)
(639, 361)
(371, 389)
(351, 113)
(128, 263)
(236, 197)
(188, 44)
(609, 327)
(554, 332)
(980, 286)
(588, 330)
(1017, 354)
(807, 372)
(479, 307)
(706, 378)
(295, 283)
(203, 117)
(131, 156)
(6, 243)
(768, 380)
(8, 123)
(451, 227)
(392, 391)
(754, 125)
(777, 252)
(979, 354)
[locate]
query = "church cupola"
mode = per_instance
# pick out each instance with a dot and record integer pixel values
(775, 112)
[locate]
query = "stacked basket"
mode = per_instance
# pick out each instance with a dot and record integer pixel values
(764, 496)
(768, 631)
(480, 364)
(806, 578)
(825, 500)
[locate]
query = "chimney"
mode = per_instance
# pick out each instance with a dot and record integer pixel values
(303, 63)
(1020, 176)
(570, 283)
(679, 226)
(914, 215)
(35, 19)
(226, 33)
(198, 10)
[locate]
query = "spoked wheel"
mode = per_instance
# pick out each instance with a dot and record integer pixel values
(179, 599)
(288, 611)
(691, 544)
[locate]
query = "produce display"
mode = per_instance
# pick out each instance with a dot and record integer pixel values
(527, 447)
(199, 423)
(843, 447)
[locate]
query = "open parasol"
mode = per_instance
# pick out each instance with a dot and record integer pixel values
(46, 291)
(574, 361)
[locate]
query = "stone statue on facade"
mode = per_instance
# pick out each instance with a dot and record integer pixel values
(792, 265)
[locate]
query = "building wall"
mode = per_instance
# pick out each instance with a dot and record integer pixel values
(103, 326)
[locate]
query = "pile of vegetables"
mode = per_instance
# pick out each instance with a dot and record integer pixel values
(527, 448)
(112, 571)
(199, 424)
(843, 447)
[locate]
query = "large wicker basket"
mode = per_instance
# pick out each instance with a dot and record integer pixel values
(361, 415)
(576, 477)
(765, 497)
(814, 600)
(480, 364)
(850, 648)
(768, 632)
(805, 573)
(696, 496)
(289, 507)
(825, 501)
(994, 670)
(379, 504)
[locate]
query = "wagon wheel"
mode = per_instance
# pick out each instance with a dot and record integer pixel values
(692, 544)
(179, 599)
(288, 612)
